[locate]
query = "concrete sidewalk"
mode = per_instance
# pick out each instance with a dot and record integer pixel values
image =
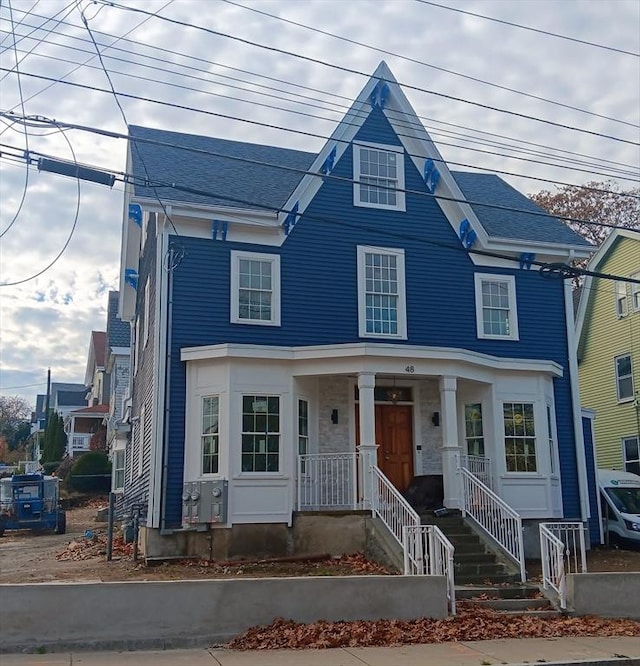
(593, 650)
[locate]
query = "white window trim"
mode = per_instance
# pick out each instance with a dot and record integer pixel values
(618, 378)
(402, 293)
(624, 449)
(622, 299)
(275, 287)
(123, 451)
(145, 321)
(263, 473)
(400, 194)
(510, 280)
(635, 293)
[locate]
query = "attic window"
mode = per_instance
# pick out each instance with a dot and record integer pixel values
(378, 175)
(621, 299)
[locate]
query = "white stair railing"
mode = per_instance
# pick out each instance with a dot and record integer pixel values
(390, 506)
(479, 466)
(562, 551)
(428, 552)
(327, 481)
(493, 515)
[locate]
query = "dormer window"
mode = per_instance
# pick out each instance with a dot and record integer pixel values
(378, 175)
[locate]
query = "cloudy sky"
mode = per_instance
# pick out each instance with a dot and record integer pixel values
(290, 64)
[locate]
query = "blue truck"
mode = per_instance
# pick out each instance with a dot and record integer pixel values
(31, 501)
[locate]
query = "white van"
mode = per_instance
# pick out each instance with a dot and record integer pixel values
(620, 504)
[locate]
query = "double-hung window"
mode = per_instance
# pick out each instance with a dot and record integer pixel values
(118, 469)
(621, 299)
(381, 293)
(474, 433)
(255, 288)
(260, 433)
(209, 435)
(378, 176)
(631, 452)
(519, 436)
(635, 293)
(624, 377)
(496, 313)
(303, 431)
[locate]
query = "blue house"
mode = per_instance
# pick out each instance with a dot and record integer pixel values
(302, 320)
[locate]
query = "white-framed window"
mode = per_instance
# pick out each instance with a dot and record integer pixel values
(141, 435)
(378, 175)
(119, 456)
(496, 309)
(145, 321)
(551, 433)
(260, 433)
(382, 308)
(631, 452)
(473, 429)
(635, 293)
(624, 377)
(519, 436)
(210, 434)
(303, 430)
(255, 288)
(135, 346)
(621, 299)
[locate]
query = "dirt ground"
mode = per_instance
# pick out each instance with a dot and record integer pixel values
(26, 557)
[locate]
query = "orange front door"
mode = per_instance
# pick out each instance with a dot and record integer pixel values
(394, 437)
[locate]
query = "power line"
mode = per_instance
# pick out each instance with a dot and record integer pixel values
(288, 83)
(10, 388)
(528, 27)
(349, 70)
(573, 163)
(425, 64)
(262, 124)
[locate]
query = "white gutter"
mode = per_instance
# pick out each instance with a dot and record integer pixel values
(572, 348)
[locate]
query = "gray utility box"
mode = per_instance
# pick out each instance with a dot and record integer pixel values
(204, 502)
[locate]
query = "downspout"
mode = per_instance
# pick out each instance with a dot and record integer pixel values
(167, 387)
(572, 349)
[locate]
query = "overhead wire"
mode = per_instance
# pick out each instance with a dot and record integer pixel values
(257, 123)
(415, 61)
(69, 237)
(531, 28)
(573, 162)
(26, 134)
(350, 70)
(288, 83)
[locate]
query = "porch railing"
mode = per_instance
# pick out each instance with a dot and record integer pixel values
(493, 515)
(479, 466)
(428, 552)
(390, 506)
(562, 551)
(327, 481)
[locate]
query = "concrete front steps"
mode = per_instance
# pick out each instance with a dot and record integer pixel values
(474, 563)
(514, 599)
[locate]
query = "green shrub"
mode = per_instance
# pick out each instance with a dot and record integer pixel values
(50, 467)
(91, 473)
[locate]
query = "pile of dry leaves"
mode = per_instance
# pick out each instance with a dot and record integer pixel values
(92, 546)
(470, 624)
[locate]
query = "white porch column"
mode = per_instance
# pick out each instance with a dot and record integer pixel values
(367, 447)
(450, 445)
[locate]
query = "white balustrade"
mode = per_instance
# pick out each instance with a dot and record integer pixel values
(562, 551)
(327, 481)
(493, 515)
(480, 467)
(428, 552)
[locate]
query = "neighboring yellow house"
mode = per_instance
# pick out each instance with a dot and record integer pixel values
(608, 330)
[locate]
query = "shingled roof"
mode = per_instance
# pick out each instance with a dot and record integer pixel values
(173, 157)
(118, 331)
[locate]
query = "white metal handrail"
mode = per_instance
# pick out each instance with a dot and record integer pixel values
(328, 481)
(428, 552)
(494, 516)
(390, 506)
(479, 466)
(562, 551)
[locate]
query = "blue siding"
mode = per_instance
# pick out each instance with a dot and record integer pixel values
(319, 295)
(592, 480)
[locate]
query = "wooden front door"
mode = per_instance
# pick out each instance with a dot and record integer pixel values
(394, 437)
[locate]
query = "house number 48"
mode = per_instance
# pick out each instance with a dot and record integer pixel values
(410, 369)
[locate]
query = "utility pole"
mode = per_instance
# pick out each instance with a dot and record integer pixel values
(46, 404)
